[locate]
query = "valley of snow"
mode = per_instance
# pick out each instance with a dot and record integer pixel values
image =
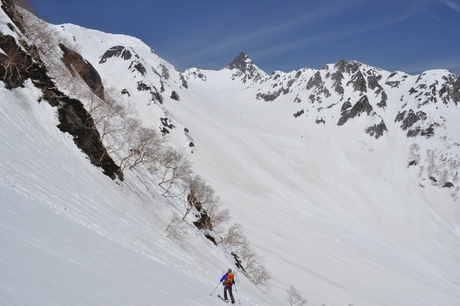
(334, 211)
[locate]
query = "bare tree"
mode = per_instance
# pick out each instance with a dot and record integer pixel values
(254, 267)
(9, 63)
(175, 167)
(201, 196)
(176, 228)
(217, 215)
(200, 193)
(142, 146)
(41, 42)
(40, 36)
(25, 4)
(294, 297)
(260, 275)
(234, 237)
(108, 114)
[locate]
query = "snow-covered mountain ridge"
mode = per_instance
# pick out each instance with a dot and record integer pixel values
(418, 105)
(336, 175)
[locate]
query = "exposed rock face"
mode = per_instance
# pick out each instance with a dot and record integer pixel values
(17, 66)
(350, 112)
(77, 64)
(116, 51)
(358, 90)
(377, 130)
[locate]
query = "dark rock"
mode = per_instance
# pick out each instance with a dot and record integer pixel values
(358, 81)
(337, 78)
(184, 82)
(174, 96)
(299, 113)
(409, 118)
(315, 81)
(362, 106)
(377, 130)
(320, 120)
(116, 51)
(136, 65)
(75, 63)
(448, 185)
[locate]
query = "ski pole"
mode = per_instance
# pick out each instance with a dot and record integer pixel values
(237, 295)
(215, 288)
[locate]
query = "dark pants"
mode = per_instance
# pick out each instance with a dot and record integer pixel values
(229, 289)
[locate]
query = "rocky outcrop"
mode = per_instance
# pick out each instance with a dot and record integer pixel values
(116, 51)
(17, 66)
(350, 111)
(75, 63)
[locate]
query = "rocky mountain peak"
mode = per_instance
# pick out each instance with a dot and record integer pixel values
(347, 66)
(241, 62)
(245, 68)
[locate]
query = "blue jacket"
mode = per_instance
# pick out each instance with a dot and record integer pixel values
(224, 277)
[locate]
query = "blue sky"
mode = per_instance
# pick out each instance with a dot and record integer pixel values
(405, 35)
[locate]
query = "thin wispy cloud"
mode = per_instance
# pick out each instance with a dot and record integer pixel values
(281, 35)
(271, 39)
(263, 36)
(338, 33)
(453, 5)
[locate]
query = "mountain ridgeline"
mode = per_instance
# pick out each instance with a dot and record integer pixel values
(385, 103)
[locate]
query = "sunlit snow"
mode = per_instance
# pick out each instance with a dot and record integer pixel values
(333, 211)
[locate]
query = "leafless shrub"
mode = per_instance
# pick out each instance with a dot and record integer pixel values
(199, 193)
(108, 114)
(217, 215)
(141, 145)
(9, 63)
(25, 4)
(39, 35)
(294, 297)
(175, 167)
(41, 42)
(253, 265)
(234, 237)
(176, 228)
(202, 196)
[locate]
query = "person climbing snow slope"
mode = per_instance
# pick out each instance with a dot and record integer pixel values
(228, 280)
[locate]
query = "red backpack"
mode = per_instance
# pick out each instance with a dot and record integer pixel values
(229, 279)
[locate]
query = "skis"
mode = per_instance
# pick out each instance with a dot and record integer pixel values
(226, 301)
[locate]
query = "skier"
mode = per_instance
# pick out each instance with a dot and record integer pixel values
(228, 281)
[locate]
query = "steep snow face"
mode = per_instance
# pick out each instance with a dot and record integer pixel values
(133, 73)
(328, 171)
(72, 236)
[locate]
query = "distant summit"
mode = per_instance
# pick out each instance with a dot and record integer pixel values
(241, 62)
(245, 68)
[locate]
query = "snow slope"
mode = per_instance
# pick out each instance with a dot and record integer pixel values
(335, 212)
(72, 236)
